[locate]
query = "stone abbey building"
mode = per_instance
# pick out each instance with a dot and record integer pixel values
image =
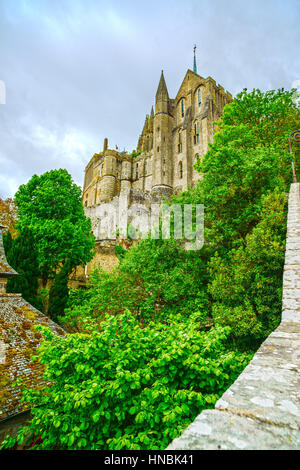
(174, 136)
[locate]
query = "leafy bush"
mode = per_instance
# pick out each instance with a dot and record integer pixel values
(128, 387)
(21, 254)
(247, 285)
(248, 159)
(155, 278)
(136, 378)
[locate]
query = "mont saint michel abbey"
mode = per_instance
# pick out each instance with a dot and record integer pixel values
(174, 136)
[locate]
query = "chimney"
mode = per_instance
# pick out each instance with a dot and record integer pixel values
(6, 270)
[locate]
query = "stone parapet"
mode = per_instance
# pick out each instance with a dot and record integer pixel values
(291, 275)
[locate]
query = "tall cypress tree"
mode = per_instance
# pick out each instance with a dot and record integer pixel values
(59, 292)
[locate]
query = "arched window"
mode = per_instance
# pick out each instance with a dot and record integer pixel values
(199, 97)
(158, 148)
(182, 108)
(180, 170)
(137, 170)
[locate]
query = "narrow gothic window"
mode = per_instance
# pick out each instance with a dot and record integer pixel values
(182, 108)
(199, 97)
(180, 170)
(158, 149)
(137, 170)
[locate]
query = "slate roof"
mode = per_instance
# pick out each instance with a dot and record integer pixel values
(18, 342)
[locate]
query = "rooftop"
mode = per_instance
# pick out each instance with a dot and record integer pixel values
(19, 341)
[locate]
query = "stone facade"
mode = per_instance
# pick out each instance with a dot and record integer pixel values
(172, 139)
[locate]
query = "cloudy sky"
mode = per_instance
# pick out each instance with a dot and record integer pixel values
(76, 71)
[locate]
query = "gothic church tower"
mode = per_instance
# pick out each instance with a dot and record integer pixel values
(162, 169)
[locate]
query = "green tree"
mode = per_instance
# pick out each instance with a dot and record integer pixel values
(127, 387)
(246, 285)
(59, 292)
(248, 158)
(50, 205)
(155, 278)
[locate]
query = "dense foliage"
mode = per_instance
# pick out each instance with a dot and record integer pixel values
(155, 278)
(126, 387)
(246, 284)
(163, 335)
(51, 206)
(249, 158)
(235, 279)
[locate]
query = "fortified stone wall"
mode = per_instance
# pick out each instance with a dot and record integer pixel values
(261, 410)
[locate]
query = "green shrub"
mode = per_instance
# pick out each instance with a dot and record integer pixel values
(128, 387)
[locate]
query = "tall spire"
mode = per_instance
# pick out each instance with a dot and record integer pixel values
(151, 119)
(145, 128)
(195, 64)
(162, 91)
